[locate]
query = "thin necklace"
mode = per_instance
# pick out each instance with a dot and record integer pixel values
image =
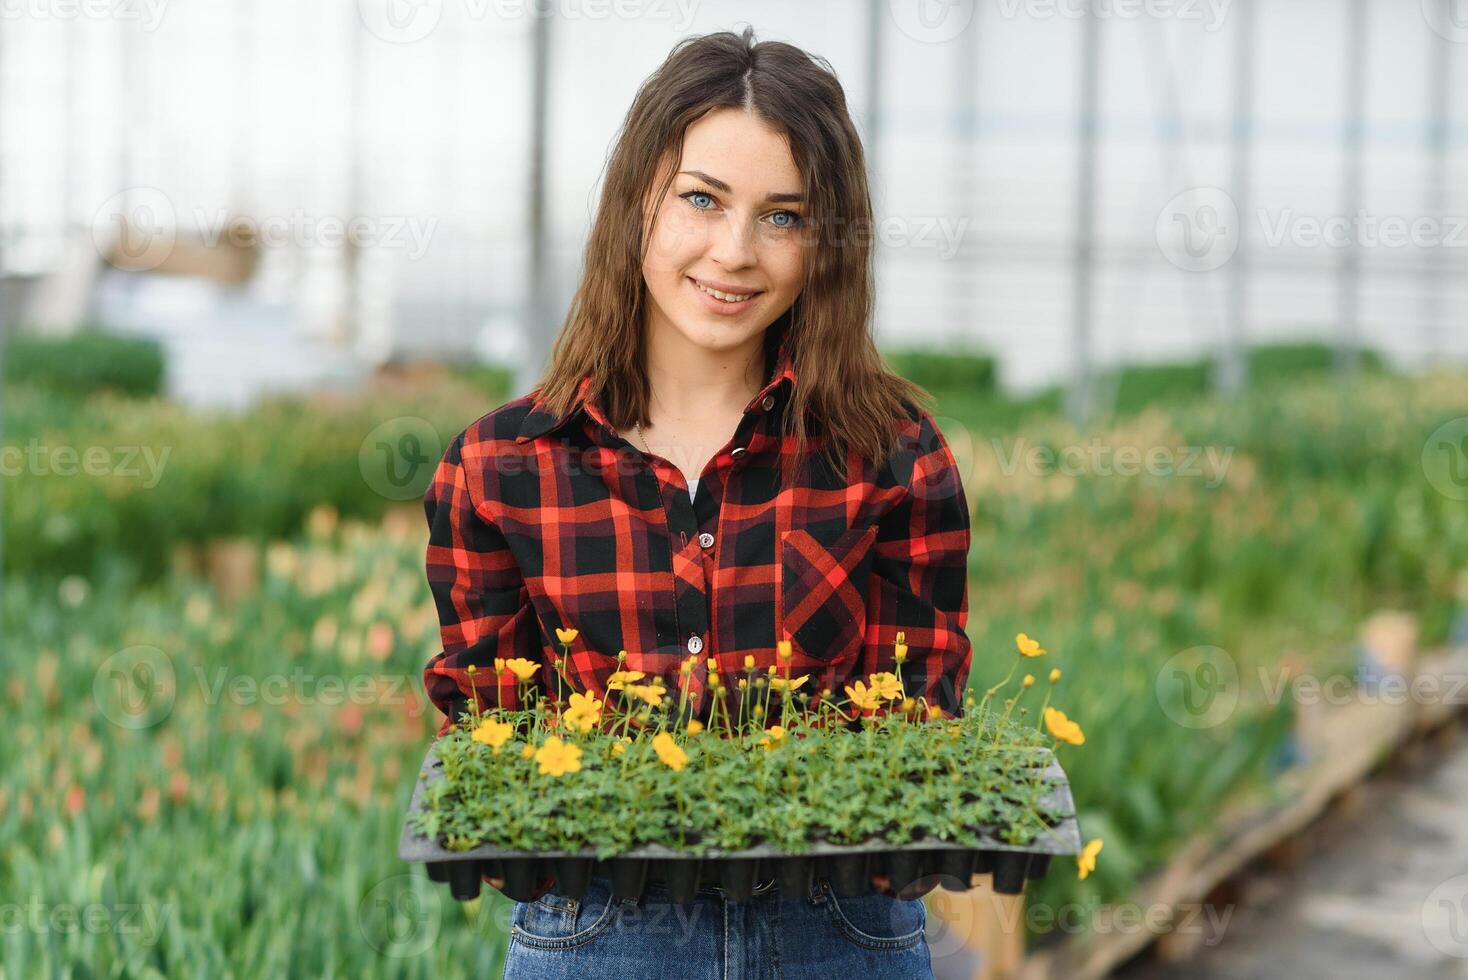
(638, 427)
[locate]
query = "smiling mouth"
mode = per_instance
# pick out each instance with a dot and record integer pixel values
(723, 296)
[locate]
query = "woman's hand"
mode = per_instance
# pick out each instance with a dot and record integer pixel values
(917, 889)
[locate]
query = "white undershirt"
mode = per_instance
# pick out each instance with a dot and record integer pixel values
(692, 488)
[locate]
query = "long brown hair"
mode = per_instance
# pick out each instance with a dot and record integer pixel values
(843, 388)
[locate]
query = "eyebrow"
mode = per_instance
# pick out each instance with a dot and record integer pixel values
(720, 185)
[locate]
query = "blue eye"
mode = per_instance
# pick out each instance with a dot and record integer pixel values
(689, 196)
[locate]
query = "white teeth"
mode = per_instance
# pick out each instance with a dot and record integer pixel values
(726, 297)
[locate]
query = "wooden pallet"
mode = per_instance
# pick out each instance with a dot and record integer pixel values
(1345, 744)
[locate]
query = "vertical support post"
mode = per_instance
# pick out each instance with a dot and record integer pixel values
(537, 320)
(1348, 281)
(1080, 401)
(1233, 366)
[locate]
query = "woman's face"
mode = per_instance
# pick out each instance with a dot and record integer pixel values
(732, 221)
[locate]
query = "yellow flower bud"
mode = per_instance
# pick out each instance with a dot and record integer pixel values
(782, 650)
(1054, 675)
(749, 661)
(471, 670)
(1029, 680)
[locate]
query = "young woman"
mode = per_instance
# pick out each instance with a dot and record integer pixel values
(715, 460)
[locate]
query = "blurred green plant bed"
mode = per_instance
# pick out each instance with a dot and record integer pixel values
(231, 778)
(1188, 588)
(108, 486)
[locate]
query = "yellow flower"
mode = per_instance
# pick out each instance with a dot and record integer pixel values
(887, 685)
(527, 751)
(522, 668)
(1086, 863)
(556, 758)
(899, 649)
(934, 712)
(620, 745)
(781, 684)
(584, 713)
(1063, 728)
(749, 661)
(566, 636)
(772, 737)
(471, 670)
(694, 726)
(861, 697)
(1029, 680)
(622, 678)
(668, 750)
(1054, 675)
(1027, 646)
(908, 704)
(647, 692)
(499, 665)
(493, 733)
(782, 650)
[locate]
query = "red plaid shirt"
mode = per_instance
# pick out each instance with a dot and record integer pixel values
(538, 523)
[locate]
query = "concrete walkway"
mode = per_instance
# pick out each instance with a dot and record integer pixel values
(1384, 893)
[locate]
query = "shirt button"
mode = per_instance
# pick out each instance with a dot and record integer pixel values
(695, 644)
(768, 403)
(736, 452)
(705, 540)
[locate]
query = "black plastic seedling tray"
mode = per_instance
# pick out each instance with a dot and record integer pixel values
(848, 867)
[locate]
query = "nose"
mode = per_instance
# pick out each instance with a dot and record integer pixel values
(732, 242)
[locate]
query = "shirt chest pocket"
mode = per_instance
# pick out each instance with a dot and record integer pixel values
(823, 588)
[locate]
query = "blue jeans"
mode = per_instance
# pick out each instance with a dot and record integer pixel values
(771, 935)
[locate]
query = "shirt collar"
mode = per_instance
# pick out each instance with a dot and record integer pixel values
(540, 420)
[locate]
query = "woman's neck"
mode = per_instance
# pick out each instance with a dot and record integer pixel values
(690, 383)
